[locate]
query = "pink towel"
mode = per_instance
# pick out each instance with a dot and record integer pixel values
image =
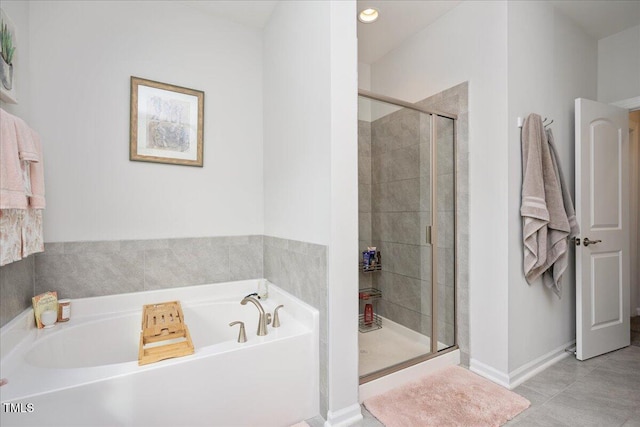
(12, 190)
(27, 149)
(21, 190)
(21, 168)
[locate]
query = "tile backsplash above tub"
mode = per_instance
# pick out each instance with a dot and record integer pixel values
(87, 269)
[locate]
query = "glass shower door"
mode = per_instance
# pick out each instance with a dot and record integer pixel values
(406, 235)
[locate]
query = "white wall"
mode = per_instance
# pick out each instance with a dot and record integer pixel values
(82, 56)
(310, 164)
(551, 62)
(364, 76)
(18, 12)
(469, 44)
(619, 66)
(297, 122)
(364, 82)
(343, 252)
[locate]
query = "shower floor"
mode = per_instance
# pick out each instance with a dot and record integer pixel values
(388, 346)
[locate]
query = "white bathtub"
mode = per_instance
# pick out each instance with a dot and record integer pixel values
(85, 372)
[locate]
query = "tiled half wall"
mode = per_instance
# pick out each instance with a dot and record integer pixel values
(301, 269)
(16, 288)
(88, 269)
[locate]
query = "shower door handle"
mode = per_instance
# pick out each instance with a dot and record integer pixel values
(428, 235)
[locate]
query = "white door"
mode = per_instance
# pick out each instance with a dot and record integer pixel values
(602, 211)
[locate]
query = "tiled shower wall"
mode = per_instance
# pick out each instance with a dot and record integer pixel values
(400, 210)
(364, 195)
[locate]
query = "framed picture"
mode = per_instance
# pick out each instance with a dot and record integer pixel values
(8, 52)
(166, 123)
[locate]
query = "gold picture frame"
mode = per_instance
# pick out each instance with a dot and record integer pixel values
(166, 123)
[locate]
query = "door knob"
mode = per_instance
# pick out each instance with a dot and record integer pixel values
(588, 242)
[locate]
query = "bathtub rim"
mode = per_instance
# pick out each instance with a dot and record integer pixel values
(12, 333)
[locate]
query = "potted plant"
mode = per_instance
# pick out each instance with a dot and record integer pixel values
(6, 56)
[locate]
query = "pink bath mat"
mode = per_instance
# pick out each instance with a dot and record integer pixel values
(452, 396)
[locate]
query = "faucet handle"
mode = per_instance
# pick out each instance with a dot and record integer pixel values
(276, 318)
(242, 335)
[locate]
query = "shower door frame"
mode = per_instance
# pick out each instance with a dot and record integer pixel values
(434, 236)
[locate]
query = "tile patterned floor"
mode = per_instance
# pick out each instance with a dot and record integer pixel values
(603, 392)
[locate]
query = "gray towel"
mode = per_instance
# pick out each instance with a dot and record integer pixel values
(566, 195)
(534, 208)
(545, 223)
(552, 276)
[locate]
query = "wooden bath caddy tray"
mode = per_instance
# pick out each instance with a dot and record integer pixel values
(164, 334)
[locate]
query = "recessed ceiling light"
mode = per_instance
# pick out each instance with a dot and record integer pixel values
(368, 16)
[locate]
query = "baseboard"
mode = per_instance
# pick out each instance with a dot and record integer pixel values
(344, 417)
(538, 365)
(514, 378)
(489, 372)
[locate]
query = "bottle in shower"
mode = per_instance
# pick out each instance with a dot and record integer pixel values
(368, 314)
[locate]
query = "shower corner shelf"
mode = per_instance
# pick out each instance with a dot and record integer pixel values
(375, 325)
(369, 295)
(370, 268)
(373, 261)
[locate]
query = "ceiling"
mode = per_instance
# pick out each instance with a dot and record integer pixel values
(400, 19)
(601, 19)
(254, 14)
